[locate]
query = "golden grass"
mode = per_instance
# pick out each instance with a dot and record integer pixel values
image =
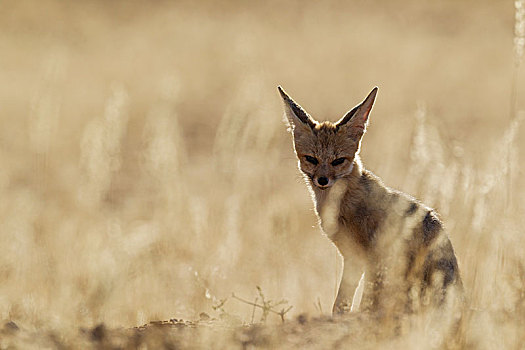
(146, 173)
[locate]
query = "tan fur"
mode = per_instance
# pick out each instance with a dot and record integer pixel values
(399, 243)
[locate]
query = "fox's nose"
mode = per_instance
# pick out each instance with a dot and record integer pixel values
(323, 181)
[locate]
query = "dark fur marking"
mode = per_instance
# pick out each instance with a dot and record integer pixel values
(449, 268)
(368, 220)
(410, 262)
(431, 227)
(446, 265)
(427, 271)
(411, 209)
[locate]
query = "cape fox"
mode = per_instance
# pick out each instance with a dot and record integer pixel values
(400, 244)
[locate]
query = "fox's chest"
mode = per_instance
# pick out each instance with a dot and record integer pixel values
(344, 237)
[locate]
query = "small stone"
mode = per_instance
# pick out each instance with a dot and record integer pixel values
(302, 318)
(99, 332)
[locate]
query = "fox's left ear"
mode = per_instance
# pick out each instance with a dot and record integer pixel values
(356, 120)
(298, 118)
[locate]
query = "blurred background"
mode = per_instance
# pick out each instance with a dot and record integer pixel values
(146, 173)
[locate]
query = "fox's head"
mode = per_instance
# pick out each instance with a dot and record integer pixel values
(326, 150)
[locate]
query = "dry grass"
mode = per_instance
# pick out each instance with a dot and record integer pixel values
(146, 173)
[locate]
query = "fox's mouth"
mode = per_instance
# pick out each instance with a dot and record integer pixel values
(323, 186)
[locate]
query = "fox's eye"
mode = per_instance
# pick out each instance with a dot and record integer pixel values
(312, 160)
(338, 161)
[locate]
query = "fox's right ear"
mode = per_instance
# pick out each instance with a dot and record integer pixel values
(354, 122)
(296, 116)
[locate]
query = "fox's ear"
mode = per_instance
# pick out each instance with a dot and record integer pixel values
(356, 120)
(297, 117)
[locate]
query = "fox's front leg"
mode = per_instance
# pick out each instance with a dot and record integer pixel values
(347, 290)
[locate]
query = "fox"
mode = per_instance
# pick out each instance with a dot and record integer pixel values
(394, 247)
